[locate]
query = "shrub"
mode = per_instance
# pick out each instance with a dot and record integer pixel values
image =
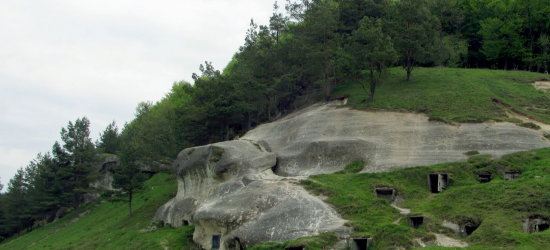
(353, 167)
(530, 125)
(472, 153)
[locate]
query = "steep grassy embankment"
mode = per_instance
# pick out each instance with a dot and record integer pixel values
(499, 206)
(455, 95)
(451, 95)
(107, 225)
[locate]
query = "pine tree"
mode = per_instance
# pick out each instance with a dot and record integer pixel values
(109, 139)
(76, 159)
(127, 177)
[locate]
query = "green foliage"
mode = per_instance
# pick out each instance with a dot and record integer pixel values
(109, 139)
(414, 31)
(127, 175)
(373, 51)
(353, 167)
(530, 125)
(472, 153)
(217, 154)
(502, 39)
(76, 159)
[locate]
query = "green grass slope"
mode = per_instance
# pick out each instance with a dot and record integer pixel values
(500, 206)
(455, 95)
(107, 225)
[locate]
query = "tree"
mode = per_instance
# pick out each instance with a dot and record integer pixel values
(127, 176)
(77, 157)
(321, 30)
(277, 22)
(109, 139)
(374, 51)
(414, 31)
(15, 200)
(502, 39)
(534, 14)
(543, 59)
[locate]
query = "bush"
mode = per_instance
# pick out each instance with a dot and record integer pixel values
(472, 153)
(530, 125)
(353, 167)
(217, 153)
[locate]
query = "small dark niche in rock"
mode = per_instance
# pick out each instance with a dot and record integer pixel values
(484, 178)
(216, 241)
(359, 243)
(386, 193)
(416, 221)
(298, 247)
(437, 182)
(510, 175)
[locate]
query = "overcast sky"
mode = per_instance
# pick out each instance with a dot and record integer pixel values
(61, 60)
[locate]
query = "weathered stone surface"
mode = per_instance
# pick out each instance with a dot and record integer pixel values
(324, 138)
(105, 167)
(229, 189)
(156, 166)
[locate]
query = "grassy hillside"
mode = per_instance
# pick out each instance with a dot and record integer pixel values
(455, 95)
(499, 206)
(107, 225)
(450, 95)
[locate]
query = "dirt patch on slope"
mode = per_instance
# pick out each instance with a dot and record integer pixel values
(543, 85)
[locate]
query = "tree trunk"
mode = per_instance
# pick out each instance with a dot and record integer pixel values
(409, 65)
(130, 203)
(226, 131)
(249, 122)
(268, 108)
(372, 85)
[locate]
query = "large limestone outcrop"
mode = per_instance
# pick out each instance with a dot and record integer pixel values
(324, 138)
(230, 192)
(229, 189)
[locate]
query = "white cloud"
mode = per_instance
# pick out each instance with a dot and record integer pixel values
(60, 60)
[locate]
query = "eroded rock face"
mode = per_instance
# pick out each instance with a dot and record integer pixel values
(324, 138)
(229, 189)
(105, 168)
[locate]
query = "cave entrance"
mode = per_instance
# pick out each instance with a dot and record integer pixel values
(437, 182)
(470, 228)
(537, 223)
(216, 241)
(359, 244)
(511, 175)
(484, 178)
(542, 227)
(385, 193)
(416, 221)
(235, 244)
(185, 222)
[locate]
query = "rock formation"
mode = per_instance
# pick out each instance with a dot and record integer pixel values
(242, 192)
(228, 189)
(105, 168)
(324, 138)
